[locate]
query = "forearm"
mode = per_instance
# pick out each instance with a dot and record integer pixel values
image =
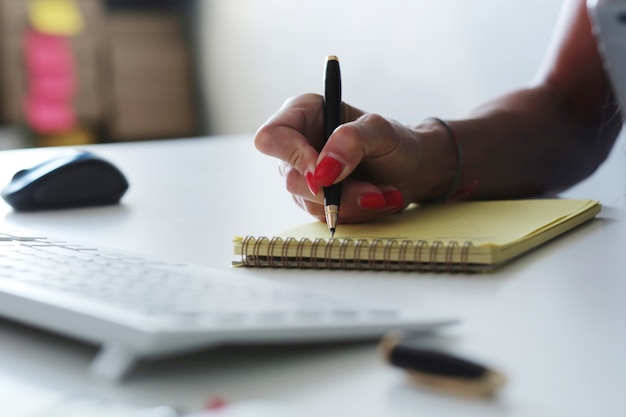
(531, 142)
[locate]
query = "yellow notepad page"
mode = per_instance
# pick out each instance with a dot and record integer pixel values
(489, 231)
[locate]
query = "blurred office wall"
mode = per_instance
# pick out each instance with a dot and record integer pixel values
(85, 71)
(406, 59)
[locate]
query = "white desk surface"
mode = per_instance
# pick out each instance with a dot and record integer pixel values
(553, 321)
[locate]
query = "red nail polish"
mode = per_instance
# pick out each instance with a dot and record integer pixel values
(394, 199)
(372, 201)
(327, 171)
(310, 182)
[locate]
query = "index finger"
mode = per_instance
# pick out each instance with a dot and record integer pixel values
(295, 133)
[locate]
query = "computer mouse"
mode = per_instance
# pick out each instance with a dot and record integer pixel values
(74, 179)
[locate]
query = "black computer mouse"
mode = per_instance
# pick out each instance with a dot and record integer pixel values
(74, 179)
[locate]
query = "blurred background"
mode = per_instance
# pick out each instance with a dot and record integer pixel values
(92, 71)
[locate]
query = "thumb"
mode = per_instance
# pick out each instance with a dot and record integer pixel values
(369, 136)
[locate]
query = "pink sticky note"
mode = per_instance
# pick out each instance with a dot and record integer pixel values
(51, 83)
(53, 87)
(48, 54)
(49, 117)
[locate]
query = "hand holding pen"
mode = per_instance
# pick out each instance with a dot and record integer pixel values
(382, 164)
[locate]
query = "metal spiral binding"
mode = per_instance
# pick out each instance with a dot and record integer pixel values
(417, 255)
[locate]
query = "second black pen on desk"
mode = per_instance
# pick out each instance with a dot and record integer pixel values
(332, 119)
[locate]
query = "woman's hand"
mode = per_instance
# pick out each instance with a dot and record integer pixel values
(383, 164)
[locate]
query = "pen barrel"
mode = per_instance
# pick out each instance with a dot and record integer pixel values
(434, 362)
(332, 96)
(332, 195)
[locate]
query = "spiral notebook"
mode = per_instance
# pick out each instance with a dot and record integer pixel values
(459, 236)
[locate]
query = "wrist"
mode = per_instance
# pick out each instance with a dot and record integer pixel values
(440, 169)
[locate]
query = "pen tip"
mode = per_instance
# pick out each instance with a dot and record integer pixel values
(332, 233)
(332, 58)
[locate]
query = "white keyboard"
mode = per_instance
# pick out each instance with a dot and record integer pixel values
(135, 307)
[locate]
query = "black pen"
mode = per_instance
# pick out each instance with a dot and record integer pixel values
(332, 119)
(437, 369)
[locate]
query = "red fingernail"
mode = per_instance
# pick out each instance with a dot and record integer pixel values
(394, 199)
(327, 171)
(372, 201)
(310, 182)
